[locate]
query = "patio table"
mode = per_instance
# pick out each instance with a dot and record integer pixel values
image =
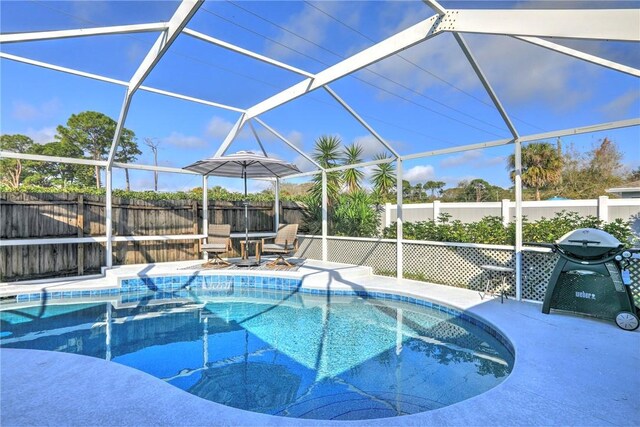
(503, 273)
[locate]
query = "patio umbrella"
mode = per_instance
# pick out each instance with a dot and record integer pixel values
(244, 164)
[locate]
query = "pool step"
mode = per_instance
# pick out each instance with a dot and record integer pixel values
(315, 274)
(350, 405)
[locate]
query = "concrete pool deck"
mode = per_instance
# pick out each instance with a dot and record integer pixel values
(568, 370)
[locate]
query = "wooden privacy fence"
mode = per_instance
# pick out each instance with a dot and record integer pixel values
(41, 216)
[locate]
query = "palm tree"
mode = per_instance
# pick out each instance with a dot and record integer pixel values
(327, 154)
(541, 166)
(352, 177)
(384, 176)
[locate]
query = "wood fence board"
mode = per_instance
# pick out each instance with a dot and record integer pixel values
(61, 215)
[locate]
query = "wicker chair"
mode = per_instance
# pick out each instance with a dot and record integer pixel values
(219, 242)
(285, 242)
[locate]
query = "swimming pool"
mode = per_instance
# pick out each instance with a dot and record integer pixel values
(270, 346)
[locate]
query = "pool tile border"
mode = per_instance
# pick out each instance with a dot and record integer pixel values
(180, 286)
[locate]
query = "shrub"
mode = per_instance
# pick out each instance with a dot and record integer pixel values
(354, 214)
(490, 229)
(215, 193)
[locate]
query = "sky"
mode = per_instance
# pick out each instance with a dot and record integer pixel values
(425, 98)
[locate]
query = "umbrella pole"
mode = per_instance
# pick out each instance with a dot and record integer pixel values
(246, 212)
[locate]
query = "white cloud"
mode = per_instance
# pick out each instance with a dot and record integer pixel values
(218, 127)
(309, 24)
(419, 174)
(621, 106)
(90, 10)
(438, 50)
(26, 111)
(303, 164)
(136, 53)
(461, 159)
(476, 159)
(294, 137)
(368, 171)
(519, 72)
(179, 140)
(522, 73)
(370, 146)
(495, 161)
(43, 135)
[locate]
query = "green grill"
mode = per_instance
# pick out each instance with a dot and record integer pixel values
(591, 278)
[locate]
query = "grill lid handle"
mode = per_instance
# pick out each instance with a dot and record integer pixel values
(578, 260)
(584, 242)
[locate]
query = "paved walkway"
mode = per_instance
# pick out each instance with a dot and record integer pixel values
(568, 371)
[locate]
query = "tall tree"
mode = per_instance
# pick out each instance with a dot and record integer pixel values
(579, 170)
(439, 186)
(605, 163)
(429, 185)
(475, 190)
(352, 177)
(153, 144)
(11, 169)
(92, 132)
(541, 166)
(433, 186)
(407, 189)
(54, 173)
(127, 152)
(419, 192)
(383, 177)
(479, 188)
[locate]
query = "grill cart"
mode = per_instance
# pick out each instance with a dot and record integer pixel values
(592, 277)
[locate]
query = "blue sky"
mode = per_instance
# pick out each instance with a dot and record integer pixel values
(426, 98)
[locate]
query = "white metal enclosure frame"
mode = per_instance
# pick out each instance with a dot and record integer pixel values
(530, 26)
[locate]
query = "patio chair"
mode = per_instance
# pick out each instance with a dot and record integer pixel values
(285, 242)
(219, 242)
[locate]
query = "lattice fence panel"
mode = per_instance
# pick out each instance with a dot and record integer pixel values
(537, 268)
(309, 248)
(448, 265)
(536, 272)
(454, 265)
(381, 256)
(634, 269)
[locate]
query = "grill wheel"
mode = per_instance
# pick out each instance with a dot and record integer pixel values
(627, 321)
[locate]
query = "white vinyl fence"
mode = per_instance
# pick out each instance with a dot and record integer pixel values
(603, 207)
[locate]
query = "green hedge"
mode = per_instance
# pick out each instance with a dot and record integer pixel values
(216, 193)
(490, 229)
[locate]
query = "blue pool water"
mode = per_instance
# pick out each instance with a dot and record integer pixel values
(278, 352)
